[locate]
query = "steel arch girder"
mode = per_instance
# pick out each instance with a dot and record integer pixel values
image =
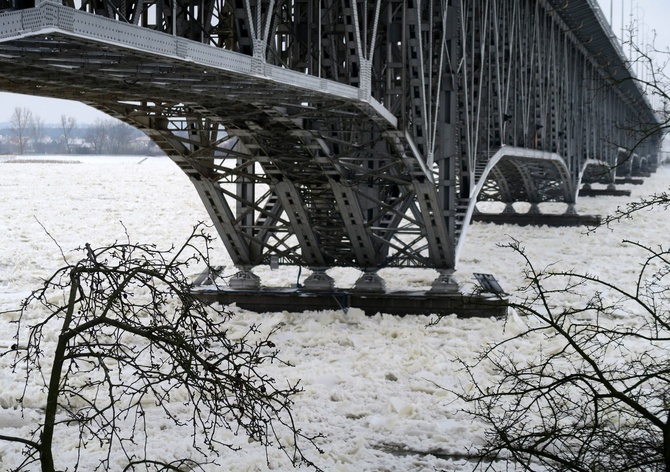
(550, 161)
(594, 170)
(534, 168)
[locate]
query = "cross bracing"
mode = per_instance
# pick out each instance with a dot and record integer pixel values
(346, 132)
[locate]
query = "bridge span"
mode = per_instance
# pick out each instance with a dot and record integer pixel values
(359, 133)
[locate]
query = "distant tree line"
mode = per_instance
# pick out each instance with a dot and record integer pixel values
(28, 134)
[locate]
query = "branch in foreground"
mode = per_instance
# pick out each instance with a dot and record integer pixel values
(133, 342)
(594, 394)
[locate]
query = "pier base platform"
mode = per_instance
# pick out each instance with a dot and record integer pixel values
(399, 303)
(534, 219)
(628, 180)
(592, 192)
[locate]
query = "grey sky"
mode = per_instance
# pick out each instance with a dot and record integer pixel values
(650, 18)
(653, 14)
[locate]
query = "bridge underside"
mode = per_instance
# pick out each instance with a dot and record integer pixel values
(288, 165)
(359, 133)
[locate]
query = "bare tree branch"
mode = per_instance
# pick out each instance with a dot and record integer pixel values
(595, 395)
(131, 334)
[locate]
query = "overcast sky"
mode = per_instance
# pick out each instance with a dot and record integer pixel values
(654, 15)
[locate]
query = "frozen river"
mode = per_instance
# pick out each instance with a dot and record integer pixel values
(370, 382)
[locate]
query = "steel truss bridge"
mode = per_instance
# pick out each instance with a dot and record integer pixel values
(359, 133)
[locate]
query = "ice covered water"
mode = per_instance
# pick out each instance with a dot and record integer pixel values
(372, 384)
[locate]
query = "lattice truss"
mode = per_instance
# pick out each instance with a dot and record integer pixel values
(383, 177)
(313, 181)
(531, 80)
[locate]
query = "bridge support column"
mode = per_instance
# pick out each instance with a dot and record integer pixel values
(509, 209)
(370, 282)
(445, 283)
(571, 209)
(319, 281)
(245, 280)
(534, 209)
